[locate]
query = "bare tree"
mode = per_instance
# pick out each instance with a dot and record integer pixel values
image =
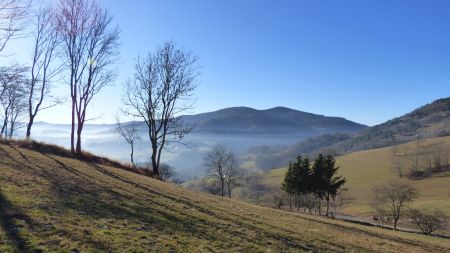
(428, 222)
(342, 199)
(166, 171)
(394, 196)
(90, 49)
(221, 164)
(130, 134)
(231, 173)
(381, 211)
(438, 156)
(12, 98)
(210, 186)
(12, 19)
(159, 92)
(42, 72)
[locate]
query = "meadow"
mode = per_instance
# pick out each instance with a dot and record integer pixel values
(50, 203)
(365, 170)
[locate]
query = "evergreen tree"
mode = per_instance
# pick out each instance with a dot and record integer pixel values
(319, 179)
(304, 176)
(289, 184)
(326, 183)
(317, 182)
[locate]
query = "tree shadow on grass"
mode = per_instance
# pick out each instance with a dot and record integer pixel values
(100, 197)
(8, 216)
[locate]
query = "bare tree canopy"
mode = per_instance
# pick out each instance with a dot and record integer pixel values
(393, 197)
(46, 38)
(222, 164)
(427, 221)
(12, 98)
(166, 171)
(159, 92)
(90, 49)
(130, 134)
(12, 19)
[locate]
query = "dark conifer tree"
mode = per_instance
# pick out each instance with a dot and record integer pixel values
(289, 184)
(319, 179)
(332, 182)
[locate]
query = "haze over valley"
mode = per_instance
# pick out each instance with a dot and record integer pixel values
(239, 128)
(224, 126)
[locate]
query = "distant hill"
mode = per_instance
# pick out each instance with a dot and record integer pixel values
(278, 120)
(429, 121)
(50, 203)
(239, 128)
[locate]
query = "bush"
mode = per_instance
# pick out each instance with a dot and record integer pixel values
(428, 222)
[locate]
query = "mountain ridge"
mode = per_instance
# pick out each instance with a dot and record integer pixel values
(277, 119)
(245, 120)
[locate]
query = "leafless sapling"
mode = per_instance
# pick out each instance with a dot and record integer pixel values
(130, 134)
(166, 171)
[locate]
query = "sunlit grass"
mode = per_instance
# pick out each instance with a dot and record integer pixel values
(366, 169)
(58, 204)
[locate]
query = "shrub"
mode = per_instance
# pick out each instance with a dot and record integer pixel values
(428, 222)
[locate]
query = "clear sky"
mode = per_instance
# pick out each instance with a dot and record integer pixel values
(367, 61)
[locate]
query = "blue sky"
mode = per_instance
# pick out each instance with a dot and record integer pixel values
(367, 61)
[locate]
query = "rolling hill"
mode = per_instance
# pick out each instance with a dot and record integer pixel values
(429, 121)
(366, 169)
(277, 120)
(55, 204)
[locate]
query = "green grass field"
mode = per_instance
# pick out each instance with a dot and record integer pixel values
(366, 169)
(55, 204)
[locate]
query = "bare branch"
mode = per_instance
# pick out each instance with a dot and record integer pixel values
(161, 83)
(90, 50)
(12, 19)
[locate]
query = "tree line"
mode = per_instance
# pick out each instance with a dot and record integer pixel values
(75, 45)
(310, 181)
(420, 160)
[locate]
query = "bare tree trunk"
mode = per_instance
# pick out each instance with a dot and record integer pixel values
(223, 186)
(79, 130)
(132, 155)
(5, 124)
(72, 132)
(29, 125)
(155, 165)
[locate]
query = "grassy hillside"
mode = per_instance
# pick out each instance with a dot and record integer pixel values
(51, 203)
(366, 169)
(429, 121)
